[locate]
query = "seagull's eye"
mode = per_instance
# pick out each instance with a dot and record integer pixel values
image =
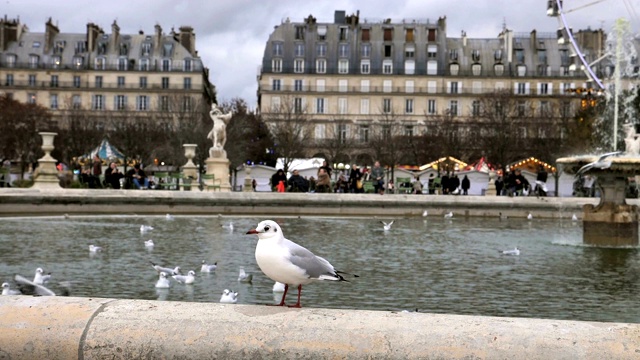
(266, 228)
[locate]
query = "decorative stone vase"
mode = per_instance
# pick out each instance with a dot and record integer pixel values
(190, 153)
(47, 144)
(47, 174)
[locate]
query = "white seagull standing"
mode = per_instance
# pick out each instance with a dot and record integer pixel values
(529, 217)
(186, 279)
(149, 243)
(95, 249)
(31, 288)
(425, 213)
(514, 251)
(6, 290)
(208, 268)
(145, 228)
(244, 277)
(448, 215)
(602, 163)
(163, 281)
(229, 297)
(284, 261)
(387, 226)
(574, 217)
(169, 271)
(40, 278)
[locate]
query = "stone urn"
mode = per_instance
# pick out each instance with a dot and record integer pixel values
(190, 153)
(47, 176)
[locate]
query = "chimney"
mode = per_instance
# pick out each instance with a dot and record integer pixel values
(49, 34)
(158, 39)
(93, 31)
(534, 41)
(10, 30)
(188, 39)
(463, 34)
(115, 35)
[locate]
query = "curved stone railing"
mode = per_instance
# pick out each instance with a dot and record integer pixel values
(86, 328)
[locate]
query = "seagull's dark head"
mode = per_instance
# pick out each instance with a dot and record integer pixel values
(266, 229)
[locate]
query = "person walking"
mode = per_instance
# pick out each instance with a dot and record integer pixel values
(466, 184)
(377, 175)
(96, 171)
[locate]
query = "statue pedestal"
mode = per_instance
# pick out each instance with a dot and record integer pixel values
(190, 170)
(47, 174)
(248, 182)
(218, 165)
(491, 186)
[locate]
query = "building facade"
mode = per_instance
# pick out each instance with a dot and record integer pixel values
(103, 73)
(360, 72)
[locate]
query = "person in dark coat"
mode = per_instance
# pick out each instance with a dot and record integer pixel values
(466, 184)
(276, 178)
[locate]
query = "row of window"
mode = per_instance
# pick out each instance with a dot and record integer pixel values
(100, 63)
(386, 107)
(343, 33)
(120, 102)
(123, 47)
(452, 87)
(98, 82)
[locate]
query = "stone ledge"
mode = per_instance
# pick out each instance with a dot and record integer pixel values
(85, 328)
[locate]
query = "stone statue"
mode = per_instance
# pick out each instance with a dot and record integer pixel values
(631, 140)
(219, 132)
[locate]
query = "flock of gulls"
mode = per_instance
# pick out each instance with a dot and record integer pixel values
(281, 260)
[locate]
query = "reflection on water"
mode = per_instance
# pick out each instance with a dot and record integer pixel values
(435, 265)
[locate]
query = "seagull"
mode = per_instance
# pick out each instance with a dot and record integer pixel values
(529, 217)
(95, 249)
(278, 287)
(31, 287)
(185, 279)
(145, 228)
(574, 217)
(601, 163)
(387, 226)
(284, 261)
(149, 243)
(163, 282)
(229, 227)
(6, 290)
(208, 268)
(448, 215)
(244, 277)
(175, 271)
(169, 217)
(40, 278)
(425, 213)
(514, 251)
(229, 297)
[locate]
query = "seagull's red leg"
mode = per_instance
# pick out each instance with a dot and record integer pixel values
(286, 287)
(297, 305)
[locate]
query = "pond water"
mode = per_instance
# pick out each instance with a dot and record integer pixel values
(434, 265)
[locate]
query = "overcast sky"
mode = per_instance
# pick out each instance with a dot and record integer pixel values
(231, 35)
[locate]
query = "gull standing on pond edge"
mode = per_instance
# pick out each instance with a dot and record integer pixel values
(284, 261)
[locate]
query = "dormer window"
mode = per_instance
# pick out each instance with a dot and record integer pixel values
(166, 64)
(100, 63)
(322, 32)
(146, 49)
(59, 47)
(81, 47)
(453, 55)
(124, 49)
(475, 55)
(299, 32)
(102, 48)
(33, 61)
(36, 44)
(167, 49)
(122, 64)
(188, 66)
(299, 50)
(144, 65)
(11, 60)
(55, 62)
(77, 62)
(497, 55)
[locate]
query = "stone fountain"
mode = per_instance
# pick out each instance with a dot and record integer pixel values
(613, 222)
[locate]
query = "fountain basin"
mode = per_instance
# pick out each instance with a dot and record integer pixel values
(612, 222)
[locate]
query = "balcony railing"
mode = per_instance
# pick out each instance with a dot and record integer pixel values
(69, 85)
(421, 90)
(195, 67)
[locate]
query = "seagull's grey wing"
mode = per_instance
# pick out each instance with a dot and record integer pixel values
(180, 278)
(27, 287)
(604, 156)
(391, 223)
(315, 266)
(383, 223)
(584, 169)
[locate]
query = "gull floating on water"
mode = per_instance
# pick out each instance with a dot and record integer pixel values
(229, 297)
(529, 217)
(6, 290)
(149, 243)
(31, 288)
(95, 249)
(244, 277)
(425, 213)
(448, 215)
(387, 226)
(278, 287)
(163, 281)
(229, 226)
(208, 268)
(603, 162)
(574, 217)
(40, 278)
(169, 271)
(169, 217)
(514, 251)
(145, 228)
(284, 261)
(186, 279)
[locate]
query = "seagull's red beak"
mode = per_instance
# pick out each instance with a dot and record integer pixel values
(253, 231)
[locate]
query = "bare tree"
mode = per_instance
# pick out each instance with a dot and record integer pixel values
(79, 132)
(290, 128)
(387, 140)
(248, 137)
(339, 140)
